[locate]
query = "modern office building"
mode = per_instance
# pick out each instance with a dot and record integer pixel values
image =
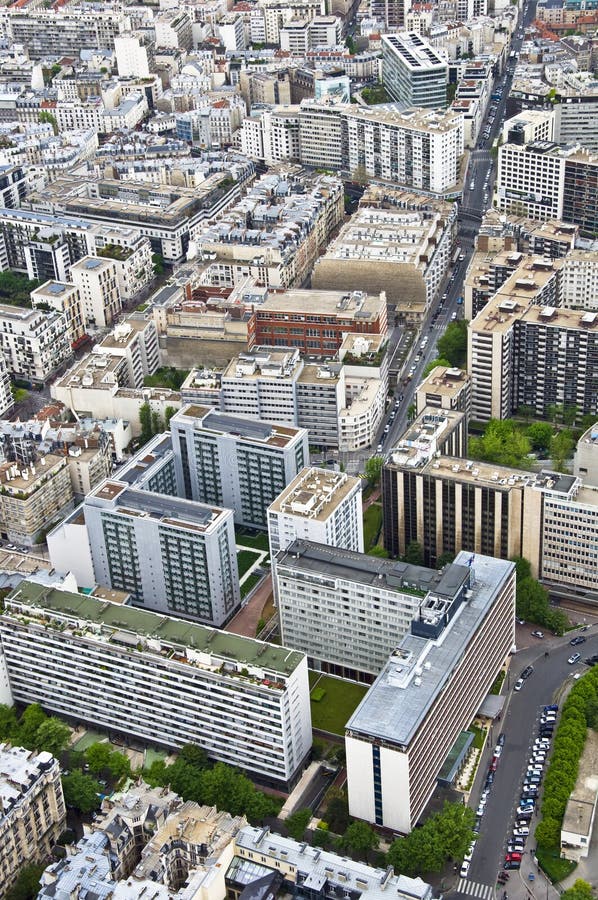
(320, 506)
(316, 321)
(525, 354)
(34, 344)
(159, 679)
(400, 735)
(413, 72)
(171, 555)
(235, 462)
(349, 611)
(32, 810)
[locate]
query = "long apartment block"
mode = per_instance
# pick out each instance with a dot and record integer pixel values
(234, 461)
(158, 679)
(429, 691)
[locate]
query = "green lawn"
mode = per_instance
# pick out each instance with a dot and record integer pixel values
(89, 738)
(152, 755)
(340, 699)
(245, 560)
(550, 862)
(259, 541)
(249, 584)
(372, 523)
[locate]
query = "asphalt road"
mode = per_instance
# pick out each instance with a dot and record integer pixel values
(519, 723)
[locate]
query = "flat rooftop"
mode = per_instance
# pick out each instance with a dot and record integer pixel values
(315, 493)
(340, 304)
(414, 50)
(397, 703)
(19, 770)
(580, 806)
(121, 335)
(309, 557)
(422, 438)
(207, 418)
(118, 618)
(22, 479)
(172, 511)
(444, 381)
(399, 236)
(264, 363)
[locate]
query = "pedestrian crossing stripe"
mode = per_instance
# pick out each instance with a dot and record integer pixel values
(475, 889)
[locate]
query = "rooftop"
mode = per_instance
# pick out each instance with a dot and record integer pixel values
(208, 418)
(23, 479)
(315, 493)
(414, 50)
(172, 511)
(445, 381)
(398, 701)
(424, 438)
(19, 770)
(407, 237)
(109, 620)
(579, 812)
(341, 304)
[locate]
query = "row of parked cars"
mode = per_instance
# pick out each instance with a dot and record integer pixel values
(530, 788)
(483, 800)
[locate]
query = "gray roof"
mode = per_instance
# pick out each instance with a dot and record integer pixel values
(415, 674)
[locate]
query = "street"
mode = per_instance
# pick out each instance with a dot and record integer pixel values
(551, 674)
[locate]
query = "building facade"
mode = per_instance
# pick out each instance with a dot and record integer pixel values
(159, 679)
(34, 344)
(412, 70)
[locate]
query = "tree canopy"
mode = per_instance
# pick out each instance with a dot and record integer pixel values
(439, 361)
(445, 835)
(373, 469)
(81, 791)
(502, 443)
(453, 343)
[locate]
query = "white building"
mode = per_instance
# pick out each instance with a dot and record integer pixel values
(159, 679)
(131, 57)
(6, 398)
(135, 342)
(98, 285)
(320, 506)
(65, 298)
(232, 32)
(432, 686)
(35, 344)
(234, 461)
(271, 135)
(413, 72)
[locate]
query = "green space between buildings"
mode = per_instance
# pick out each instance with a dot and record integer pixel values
(339, 700)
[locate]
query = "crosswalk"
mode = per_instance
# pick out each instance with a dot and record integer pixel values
(475, 889)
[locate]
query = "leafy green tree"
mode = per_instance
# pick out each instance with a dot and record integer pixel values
(373, 469)
(156, 774)
(168, 414)
(98, 756)
(548, 831)
(539, 434)
(119, 765)
(523, 568)
(195, 756)
(157, 423)
(380, 552)
(432, 365)
(581, 890)
(30, 721)
(445, 559)
(26, 887)
(46, 117)
(298, 822)
(454, 829)
(145, 418)
(359, 839)
(8, 722)
(337, 811)
(453, 343)
(321, 838)
(81, 791)
(158, 263)
(414, 554)
(502, 443)
(561, 448)
(53, 736)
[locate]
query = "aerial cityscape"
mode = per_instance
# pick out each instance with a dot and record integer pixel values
(298, 450)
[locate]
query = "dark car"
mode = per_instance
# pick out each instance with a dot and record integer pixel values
(501, 740)
(577, 640)
(527, 671)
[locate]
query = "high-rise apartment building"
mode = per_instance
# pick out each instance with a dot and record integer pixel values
(348, 611)
(235, 462)
(413, 72)
(170, 555)
(433, 684)
(34, 344)
(65, 299)
(6, 399)
(444, 388)
(321, 506)
(159, 679)
(33, 497)
(98, 285)
(32, 810)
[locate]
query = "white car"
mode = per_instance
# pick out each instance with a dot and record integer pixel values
(519, 684)
(497, 750)
(464, 869)
(521, 832)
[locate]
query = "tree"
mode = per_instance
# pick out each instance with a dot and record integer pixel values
(30, 721)
(444, 559)
(523, 568)
(414, 554)
(298, 822)
(432, 365)
(502, 443)
(380, 552)
(581, 890)
(47, 117)
(445, 835)
(168, 414)
(158, 263)
(548, 831)
(561, 448)
(26, 887)
(119, 765)
(337, 811)
(539, 434)
(454, 829)
(81, 792)
(359, 839)
(157, 424)
(195, 756)
(373, 469)
(53, 736)
(98, 756)
(8, 722)
(145, 418)
(453, 343)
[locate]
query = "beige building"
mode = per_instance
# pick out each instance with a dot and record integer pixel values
(400, 247)
(444, 388)
(97, 282)
(578, 821)
(33, 498)
(65, 298)
(585, 464)
(32, 810)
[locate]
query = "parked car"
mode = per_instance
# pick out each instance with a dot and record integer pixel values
(501, 739)
(524, 831)
(552, 708)
(464, 869)
(519, 684)
(538, 634)
(577, 640)
(574, 658)
(527, 671)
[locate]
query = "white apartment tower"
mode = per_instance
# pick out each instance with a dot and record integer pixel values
(412, 70)
(320, 506)
(97, 281)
